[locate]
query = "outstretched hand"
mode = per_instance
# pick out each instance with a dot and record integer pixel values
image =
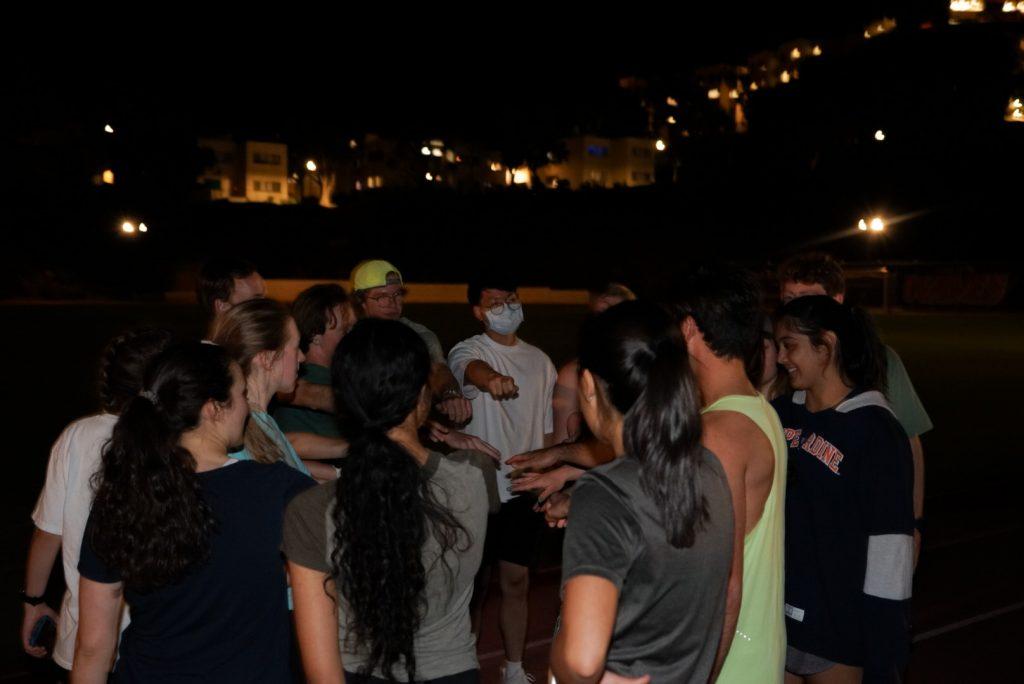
(460, 440)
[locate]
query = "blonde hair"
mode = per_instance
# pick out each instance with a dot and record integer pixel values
(245, 330)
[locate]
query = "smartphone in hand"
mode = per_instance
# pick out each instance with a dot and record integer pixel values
(44, 633)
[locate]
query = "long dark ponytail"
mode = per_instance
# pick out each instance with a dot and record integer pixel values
(150, 522)
(636, 353)
(385, 506)
(858, 352)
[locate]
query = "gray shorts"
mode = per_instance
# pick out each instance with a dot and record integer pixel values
(804, 664)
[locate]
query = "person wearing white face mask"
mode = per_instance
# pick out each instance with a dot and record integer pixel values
(510, 385)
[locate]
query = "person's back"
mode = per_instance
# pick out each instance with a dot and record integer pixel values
(760, 639)
(672, 600)
(226, 620)
(463, 483)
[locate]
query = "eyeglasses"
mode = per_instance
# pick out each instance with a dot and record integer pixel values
(385, 297)
(512, 302)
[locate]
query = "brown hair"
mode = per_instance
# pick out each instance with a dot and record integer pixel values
(312, 310)
(217, 279)
(244, 331)
(816, 268)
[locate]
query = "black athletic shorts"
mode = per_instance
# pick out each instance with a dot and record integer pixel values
(513, 533)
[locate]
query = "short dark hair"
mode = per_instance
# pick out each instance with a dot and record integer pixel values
(312, 310)
(488, 282)
(217, 279)
(817, 268)
(725, 302)
(610, 288)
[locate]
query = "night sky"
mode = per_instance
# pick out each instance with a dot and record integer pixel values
(446, 73)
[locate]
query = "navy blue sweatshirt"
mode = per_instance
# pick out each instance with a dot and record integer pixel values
(849, 532)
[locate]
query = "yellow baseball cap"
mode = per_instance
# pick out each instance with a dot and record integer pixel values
(374, 273)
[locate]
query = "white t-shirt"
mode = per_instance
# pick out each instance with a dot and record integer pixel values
(63, 509)
(512, 426)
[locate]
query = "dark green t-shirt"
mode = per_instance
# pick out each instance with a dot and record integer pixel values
(301, 419)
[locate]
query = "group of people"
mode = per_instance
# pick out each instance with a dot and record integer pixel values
(317, 493)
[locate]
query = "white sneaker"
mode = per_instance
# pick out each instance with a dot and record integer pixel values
(520, 676)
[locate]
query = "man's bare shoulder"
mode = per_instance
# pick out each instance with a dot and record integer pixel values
(732, 436)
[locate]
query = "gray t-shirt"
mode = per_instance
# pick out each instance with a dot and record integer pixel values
(464, 482)
(671, 601)
(429, 338)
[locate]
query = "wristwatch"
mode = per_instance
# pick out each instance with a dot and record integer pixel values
(31, 600)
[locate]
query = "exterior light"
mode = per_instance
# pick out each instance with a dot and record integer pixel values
(671, 119)
(495, 166)
(879, 135)
(108, 128)
(108, 176)
(967, 5)
(128, 227)
(1009, 7)
(425, 151)
(795, 53)
(436, 152)
(352, 144)
(713, 94)
(521, 176)
(734, 94)
(816, 51)
(1017, 115)
(143, 228)
(877, 225)
(429, 176)
(671, 102)
(659, 145)
(753, 85)
(862, 225)
(310, 165)
(784, 77)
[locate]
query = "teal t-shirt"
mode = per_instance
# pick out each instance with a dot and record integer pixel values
(903, 397)
(270, 427)
(300, 419)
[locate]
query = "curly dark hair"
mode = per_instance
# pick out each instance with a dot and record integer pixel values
(814, 268)
(385, 506)
(123, 361)
(150, 522)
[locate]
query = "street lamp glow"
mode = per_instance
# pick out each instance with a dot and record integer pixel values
(128, 227)
(734, 94)
(311, 165)
(143, 228)
(425, 151)
(784, 77)
(879, 135)
(108, 128)
(429, 176)
(659, 145)
(671, 119)
(671, 102)
(862, 225)
(753, 85)
(816, 51)
(108, 176)
(877, 225)
(714, 94)
(795, 53)
(436, 152)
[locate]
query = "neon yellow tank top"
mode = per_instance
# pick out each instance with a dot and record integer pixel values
(758, 651)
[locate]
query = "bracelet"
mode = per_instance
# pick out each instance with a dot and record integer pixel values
(31, 600)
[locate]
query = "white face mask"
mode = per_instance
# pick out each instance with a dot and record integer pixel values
(507, 322)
